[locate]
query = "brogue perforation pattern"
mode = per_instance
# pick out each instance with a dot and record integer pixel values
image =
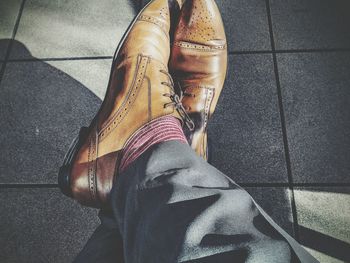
(200, 16)
(155, 21)
(164, 12)
(209, 99)
(188, 45)
(122, 112)
(209, 95)
(92, 154)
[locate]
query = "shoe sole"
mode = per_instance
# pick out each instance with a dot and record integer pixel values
(65, 169)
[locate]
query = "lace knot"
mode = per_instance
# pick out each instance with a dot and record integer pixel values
(176, 102)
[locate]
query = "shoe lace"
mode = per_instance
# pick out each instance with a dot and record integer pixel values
(176, 101)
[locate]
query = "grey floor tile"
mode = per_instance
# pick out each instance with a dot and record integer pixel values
(41, 225)
(276, 203)
(246, 24)
(307, 24)
(323, 217)
(316, 98)
(144, 2)
(245, 130)
(73, 28)
(93, 74)
(42, 110)
(9, 10)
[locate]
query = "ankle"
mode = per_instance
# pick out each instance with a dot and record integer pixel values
(162, 129)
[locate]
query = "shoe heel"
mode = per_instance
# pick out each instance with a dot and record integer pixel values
(65, 169)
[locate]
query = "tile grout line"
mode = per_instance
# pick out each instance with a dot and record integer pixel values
(60, 59)
(249, 52)
(256, 185)
(289, 51)
(311, 50)
(301, 185)
(243, 52)
(14, 32)
(29, 186)
(283, 124)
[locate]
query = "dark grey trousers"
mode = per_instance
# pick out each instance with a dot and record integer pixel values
(172, 206)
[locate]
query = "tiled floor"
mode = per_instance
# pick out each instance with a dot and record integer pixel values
(282, 127)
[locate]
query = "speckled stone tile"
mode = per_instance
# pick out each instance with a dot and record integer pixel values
(9, 10)
(276, 203)
(316, 98)
(73, 28)
(246, 24)
(42, 111)
(311, 24)
(324, 218)
(93, 74)
(245, 130)
(41, 225)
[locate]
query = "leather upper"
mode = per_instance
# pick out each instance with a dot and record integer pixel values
(140, 89)
(199, 63)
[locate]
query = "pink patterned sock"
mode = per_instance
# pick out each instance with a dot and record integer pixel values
(166, 128)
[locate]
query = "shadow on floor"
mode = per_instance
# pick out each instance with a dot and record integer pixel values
(136, 5)
(42, 109)
(326, 244)
(318, 208)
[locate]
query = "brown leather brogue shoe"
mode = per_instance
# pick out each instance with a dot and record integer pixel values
(140, 89)
(199, 63)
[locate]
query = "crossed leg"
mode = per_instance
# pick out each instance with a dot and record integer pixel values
(172, 206)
